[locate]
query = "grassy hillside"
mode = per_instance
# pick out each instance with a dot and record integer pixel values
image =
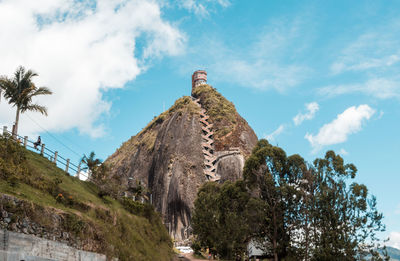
(118, 228)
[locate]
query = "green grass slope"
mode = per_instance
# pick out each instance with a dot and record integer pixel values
(118, 228)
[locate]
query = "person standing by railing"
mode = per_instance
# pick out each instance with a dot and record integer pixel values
(37, 143)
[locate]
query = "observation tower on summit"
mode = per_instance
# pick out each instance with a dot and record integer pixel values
(199, 77)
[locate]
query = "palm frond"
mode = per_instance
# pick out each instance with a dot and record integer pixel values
(18, 75)
(10, 89)
(29, 75)
(41, 91)
(34, 107)
(90, 162)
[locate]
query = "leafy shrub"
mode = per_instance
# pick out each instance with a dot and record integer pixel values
(13, 162)
(103, 214)
(196, 246)
(132, 206)
(13, 181)
(141, 209)
(73, 224)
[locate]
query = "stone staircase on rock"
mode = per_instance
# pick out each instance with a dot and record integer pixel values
(207, 144)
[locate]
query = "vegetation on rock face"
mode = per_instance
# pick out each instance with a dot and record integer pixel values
(230, 130)
(217, 106)
(294, 210)
(113, 227)
(221, 111)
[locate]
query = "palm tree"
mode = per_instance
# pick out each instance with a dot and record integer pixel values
(91, 163)
(19, 92)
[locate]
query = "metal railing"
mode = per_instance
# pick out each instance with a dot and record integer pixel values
(53, 156)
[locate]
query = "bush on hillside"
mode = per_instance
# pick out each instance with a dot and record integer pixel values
(140, 209)
(12, 160)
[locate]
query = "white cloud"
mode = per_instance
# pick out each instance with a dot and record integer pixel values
(81, 49)
(397, 210)
(201, 7)
(262, 65)
(271, 137)
(373, 50)
(380, 88)
(371, 63)
(394, 240)
(381, 113)
(311, 108)
(261, 62)
(337, 131)
(261, 74)
(343, 152)
(374, 57)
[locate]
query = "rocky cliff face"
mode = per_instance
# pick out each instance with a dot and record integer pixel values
(172, 155)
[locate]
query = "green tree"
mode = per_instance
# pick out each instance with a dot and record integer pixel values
(91, 164)
(205, 216)
(221, 219)
(275, 178)
(99, 174)
(312, 212)
(20, 90)
(307, 208)
(234, 213)
(346, 216)
(295, 210)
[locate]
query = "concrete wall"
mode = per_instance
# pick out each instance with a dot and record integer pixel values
(19, 246)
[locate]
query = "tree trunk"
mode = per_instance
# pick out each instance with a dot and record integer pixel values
(275, 245)
(15, 130)
(306, 230)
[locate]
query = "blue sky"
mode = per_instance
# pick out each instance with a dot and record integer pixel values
(310, 76)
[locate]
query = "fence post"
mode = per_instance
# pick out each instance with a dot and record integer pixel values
(42, 150)
(5, 130)
(79, 170)
(67, 166)
(25, 141)
(55, 157)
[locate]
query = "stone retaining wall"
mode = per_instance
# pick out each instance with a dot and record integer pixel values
(19, 246)
(31, 232)
(16, 217)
